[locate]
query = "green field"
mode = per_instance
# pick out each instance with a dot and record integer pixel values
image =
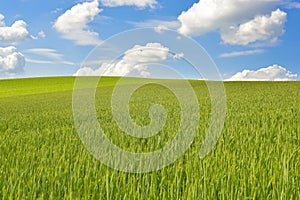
(256, 157)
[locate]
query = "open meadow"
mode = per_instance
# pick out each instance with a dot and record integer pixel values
(256, 157)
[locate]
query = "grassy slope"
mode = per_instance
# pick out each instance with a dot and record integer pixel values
(19, 87)
(257, 156)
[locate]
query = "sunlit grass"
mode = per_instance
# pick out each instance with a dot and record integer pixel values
(257, 156)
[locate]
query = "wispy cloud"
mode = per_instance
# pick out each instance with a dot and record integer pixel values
(51, 56)
(50, 53)
(242, 53)
(291, 5)
(158, 25)
(36, 61)
(137, 3)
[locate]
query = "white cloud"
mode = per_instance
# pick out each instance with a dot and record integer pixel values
(271, 73)
(15, 33)
(207, 15)
(241, 21)
(291, 5)
(178, 56)
(151, 52)
(42, 34)
(50, 53)
(137, 3)
(50, 62)
(36, 61)
(159, 25)
(242, 53)
(55, 58)
(155, 23)
(73, 24)
(12, 62)
(2, 23)
(57, 10)
(266, 27)
(134, 62)
(160, 28)
(87, 71)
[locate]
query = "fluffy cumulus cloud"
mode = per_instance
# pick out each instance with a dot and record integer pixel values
(73, 24)
(271, 73)
(137, 3)
(133, 63)
(15, 33)
(12, 62)
(236, 18)
(208, 15)
(265, 27)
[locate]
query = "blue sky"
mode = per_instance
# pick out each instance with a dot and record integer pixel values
(248, 40)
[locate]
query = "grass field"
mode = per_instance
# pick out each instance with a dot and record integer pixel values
(256, 157)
